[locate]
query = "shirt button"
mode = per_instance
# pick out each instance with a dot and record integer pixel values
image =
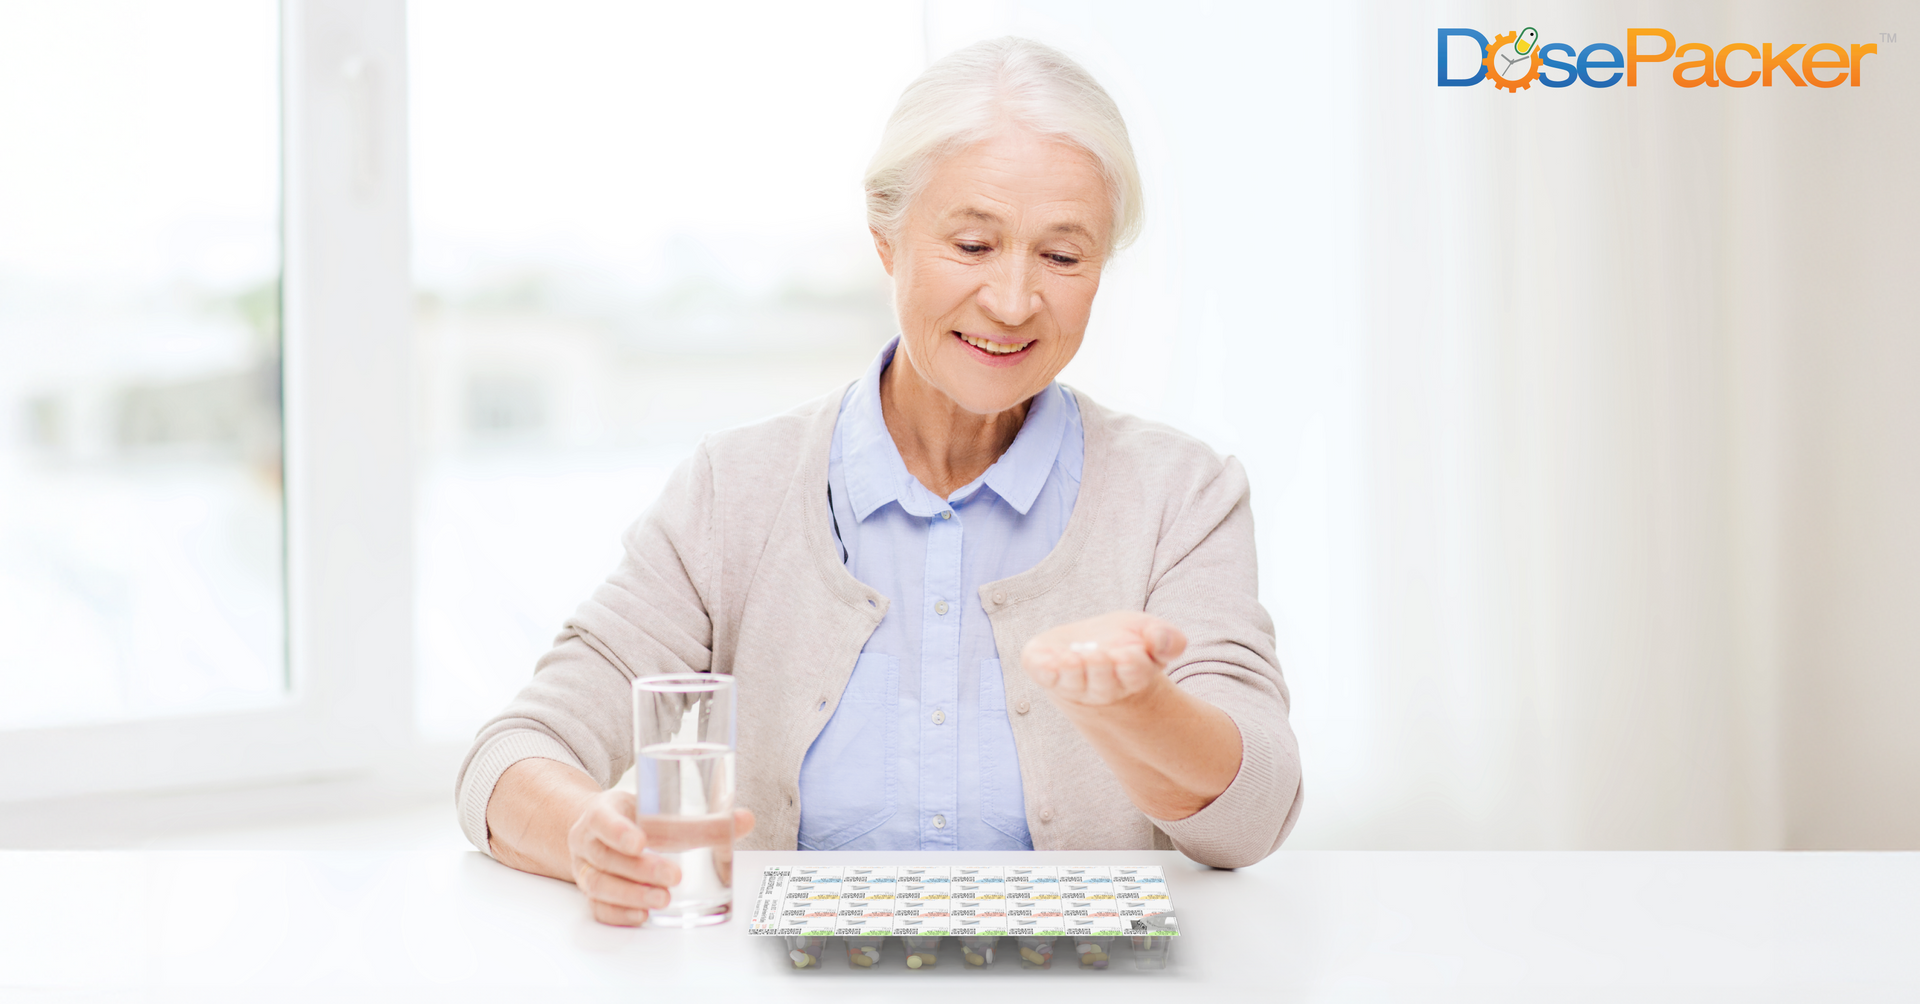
(939, 822)
(1023, 707)
(939, 718)
(946, 515)
(940, 608)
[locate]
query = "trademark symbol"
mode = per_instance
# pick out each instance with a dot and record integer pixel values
(1889, 36)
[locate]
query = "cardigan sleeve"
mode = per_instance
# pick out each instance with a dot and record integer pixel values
(648, 618)
(1206, 583)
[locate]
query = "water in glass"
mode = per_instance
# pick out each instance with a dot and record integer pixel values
(686, 808)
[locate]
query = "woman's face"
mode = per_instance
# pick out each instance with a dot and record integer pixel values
(995, 267)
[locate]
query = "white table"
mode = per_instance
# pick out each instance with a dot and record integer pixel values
(1355, 926)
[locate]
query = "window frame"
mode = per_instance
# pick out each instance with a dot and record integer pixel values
(348, 368)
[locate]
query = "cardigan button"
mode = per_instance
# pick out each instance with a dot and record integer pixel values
(999, 598)
(1023, 707)
(1046, 815)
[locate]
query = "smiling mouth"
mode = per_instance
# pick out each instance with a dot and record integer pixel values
(993, 348)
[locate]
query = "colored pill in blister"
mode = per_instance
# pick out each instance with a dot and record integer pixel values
(922, 952)
(977, 951)
(806, 952)
(1037, 953)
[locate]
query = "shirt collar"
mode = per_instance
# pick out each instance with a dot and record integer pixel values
(875, 474)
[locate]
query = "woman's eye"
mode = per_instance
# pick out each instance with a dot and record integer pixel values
(1064, 259)
(973, 248)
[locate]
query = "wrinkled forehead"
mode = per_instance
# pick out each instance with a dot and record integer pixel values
(1020, 182)
(1064, 223)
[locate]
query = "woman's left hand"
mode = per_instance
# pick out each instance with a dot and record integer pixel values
(1173, 752)
(1112, 659)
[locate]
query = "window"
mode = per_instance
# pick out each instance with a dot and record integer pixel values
(608, 268)
(141, 540)
(196, 582)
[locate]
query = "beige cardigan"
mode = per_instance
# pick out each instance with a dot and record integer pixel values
(734, 570)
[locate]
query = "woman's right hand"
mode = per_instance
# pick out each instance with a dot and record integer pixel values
(550, 818)
(611, 864)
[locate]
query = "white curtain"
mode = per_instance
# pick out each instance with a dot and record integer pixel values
(1583, 423)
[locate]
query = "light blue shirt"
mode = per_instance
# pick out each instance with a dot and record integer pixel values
(919, 754)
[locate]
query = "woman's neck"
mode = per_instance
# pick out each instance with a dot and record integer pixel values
(944, 445)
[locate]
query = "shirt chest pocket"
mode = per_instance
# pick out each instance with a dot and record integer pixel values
(848, 785)
(1003, 799)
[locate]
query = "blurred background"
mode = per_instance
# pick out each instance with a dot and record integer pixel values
(1582, 423)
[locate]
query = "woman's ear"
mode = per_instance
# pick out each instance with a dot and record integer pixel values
(885, 248)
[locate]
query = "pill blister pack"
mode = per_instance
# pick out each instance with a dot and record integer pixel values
(986, 912)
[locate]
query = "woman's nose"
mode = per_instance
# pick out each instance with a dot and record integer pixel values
(1012, 296)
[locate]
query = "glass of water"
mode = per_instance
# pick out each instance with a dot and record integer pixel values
(683, 755)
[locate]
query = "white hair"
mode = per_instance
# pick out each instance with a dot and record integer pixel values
(981, 90)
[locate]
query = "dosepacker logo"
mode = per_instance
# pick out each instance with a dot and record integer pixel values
(1515, 60)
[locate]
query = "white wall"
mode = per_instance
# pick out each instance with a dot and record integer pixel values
(1836, 210)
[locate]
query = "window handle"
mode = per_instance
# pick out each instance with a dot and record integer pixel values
(361, 78)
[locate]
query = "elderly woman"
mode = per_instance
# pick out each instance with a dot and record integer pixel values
(966, 607)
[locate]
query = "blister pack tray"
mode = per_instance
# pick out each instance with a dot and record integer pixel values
(985, 909)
